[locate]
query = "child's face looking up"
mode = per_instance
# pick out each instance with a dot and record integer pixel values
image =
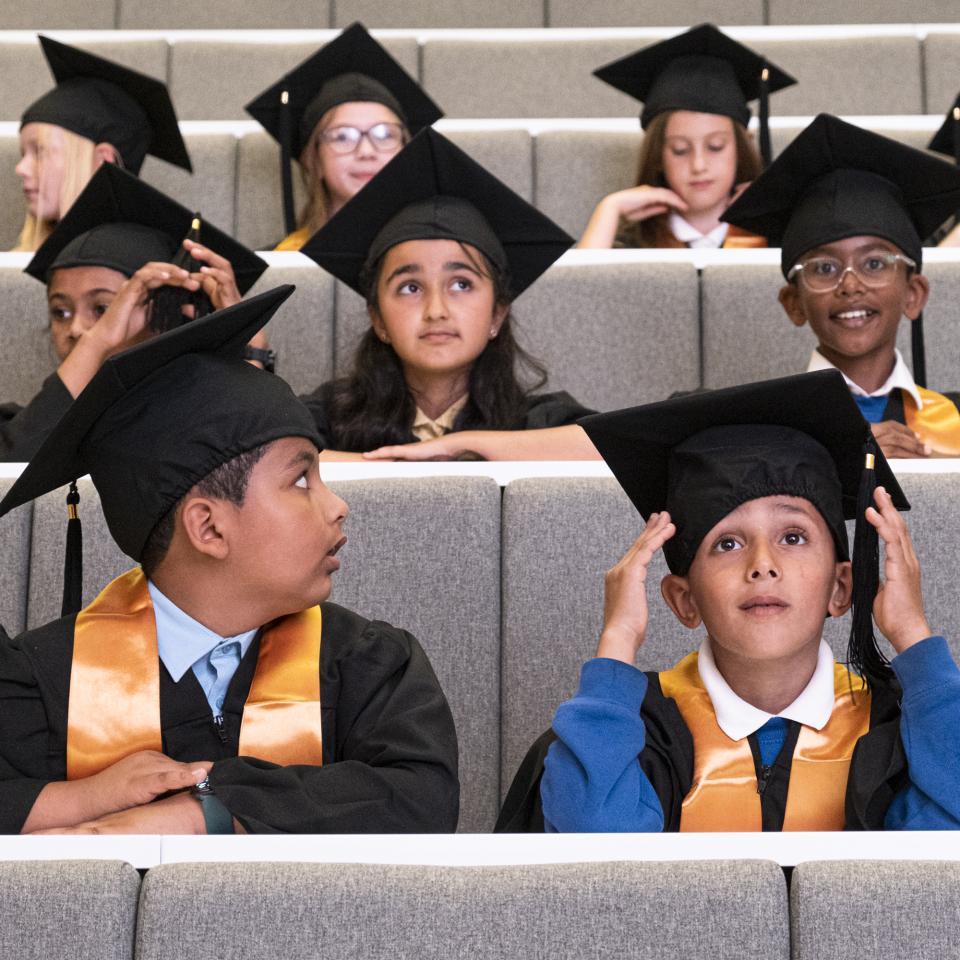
(763, 580)
(856, 321)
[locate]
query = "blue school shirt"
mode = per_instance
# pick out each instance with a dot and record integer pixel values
(593, 782)
(183, 644)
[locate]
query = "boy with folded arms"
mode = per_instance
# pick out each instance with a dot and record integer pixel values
(212, 689)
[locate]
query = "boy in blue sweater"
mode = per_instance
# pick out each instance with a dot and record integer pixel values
(746, 490)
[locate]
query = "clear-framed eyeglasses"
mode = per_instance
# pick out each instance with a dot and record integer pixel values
(383, 137)
(825, 274)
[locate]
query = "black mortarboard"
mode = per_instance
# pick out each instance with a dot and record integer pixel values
(836, 180)
(947, 138)
(122, 223)
(159, 417)
(702, 70)
(108, 103)
(702, 455)
(353, 67)
(432, 190)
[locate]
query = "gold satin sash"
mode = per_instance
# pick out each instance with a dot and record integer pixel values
(114, 707)
(937, 423)
(738, 239)
(724, 795)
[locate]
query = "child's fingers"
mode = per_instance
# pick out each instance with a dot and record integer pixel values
(199, 252)
(659, 529)
(901, 558)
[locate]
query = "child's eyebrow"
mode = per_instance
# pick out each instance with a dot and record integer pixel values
(303, 458)
(791, 508)
(405, 269)
(460, 265)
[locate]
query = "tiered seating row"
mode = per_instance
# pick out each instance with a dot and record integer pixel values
(695, 909)
(538, 73)
(180, 14)
(614, 329)
(562, 167)
(522, 575)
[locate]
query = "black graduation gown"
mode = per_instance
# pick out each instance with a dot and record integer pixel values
(389, 744)
(23, 429)
(539, 410)
(878, 768)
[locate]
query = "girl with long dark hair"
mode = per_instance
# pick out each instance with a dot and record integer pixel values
(439, 249)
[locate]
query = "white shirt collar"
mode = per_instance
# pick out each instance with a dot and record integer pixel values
(181, 640)
(692, 237)
(738, 719)
(901, 378)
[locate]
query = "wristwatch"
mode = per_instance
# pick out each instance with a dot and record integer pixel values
(267, 357)
(216, 816)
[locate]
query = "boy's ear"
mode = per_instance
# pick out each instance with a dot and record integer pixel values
(842, 596)
(203, 522)
(676, 591)
(105, 153)
(789, 297)
(918, 292)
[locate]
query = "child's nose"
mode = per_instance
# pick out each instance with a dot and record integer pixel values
(762, 564)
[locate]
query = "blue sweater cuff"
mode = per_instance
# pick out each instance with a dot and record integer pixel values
(613, 681)
(925, 664)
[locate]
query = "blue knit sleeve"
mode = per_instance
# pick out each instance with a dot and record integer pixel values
(929, 720)
(592, 781)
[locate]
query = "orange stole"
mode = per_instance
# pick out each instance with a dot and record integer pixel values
(114, 707)
(724, 793)
(738, 239)
(937, 423)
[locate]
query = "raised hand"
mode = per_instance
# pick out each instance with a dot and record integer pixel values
(898, 607)
(215, 277)
(123, 324)
(643, 202)
(625, 610)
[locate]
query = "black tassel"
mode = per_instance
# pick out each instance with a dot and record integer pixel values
(918, 352)
(765, 150)
(167, 303)
(286, 171)
(73, 560)
(863, 655)
(956, 134)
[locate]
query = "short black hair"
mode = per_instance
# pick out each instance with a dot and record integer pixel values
(227, 482)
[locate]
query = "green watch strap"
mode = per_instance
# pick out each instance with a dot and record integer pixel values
(216, 816)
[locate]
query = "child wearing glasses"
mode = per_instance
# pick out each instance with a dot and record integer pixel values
(848, 209)
(343, 114)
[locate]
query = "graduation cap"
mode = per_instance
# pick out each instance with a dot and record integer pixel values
(702, 70)
(947, 138)
(836, 180)
(432, 190)
(107, 103)
(702, 455)
(122, 223)
(158, 418)
(353, 67)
